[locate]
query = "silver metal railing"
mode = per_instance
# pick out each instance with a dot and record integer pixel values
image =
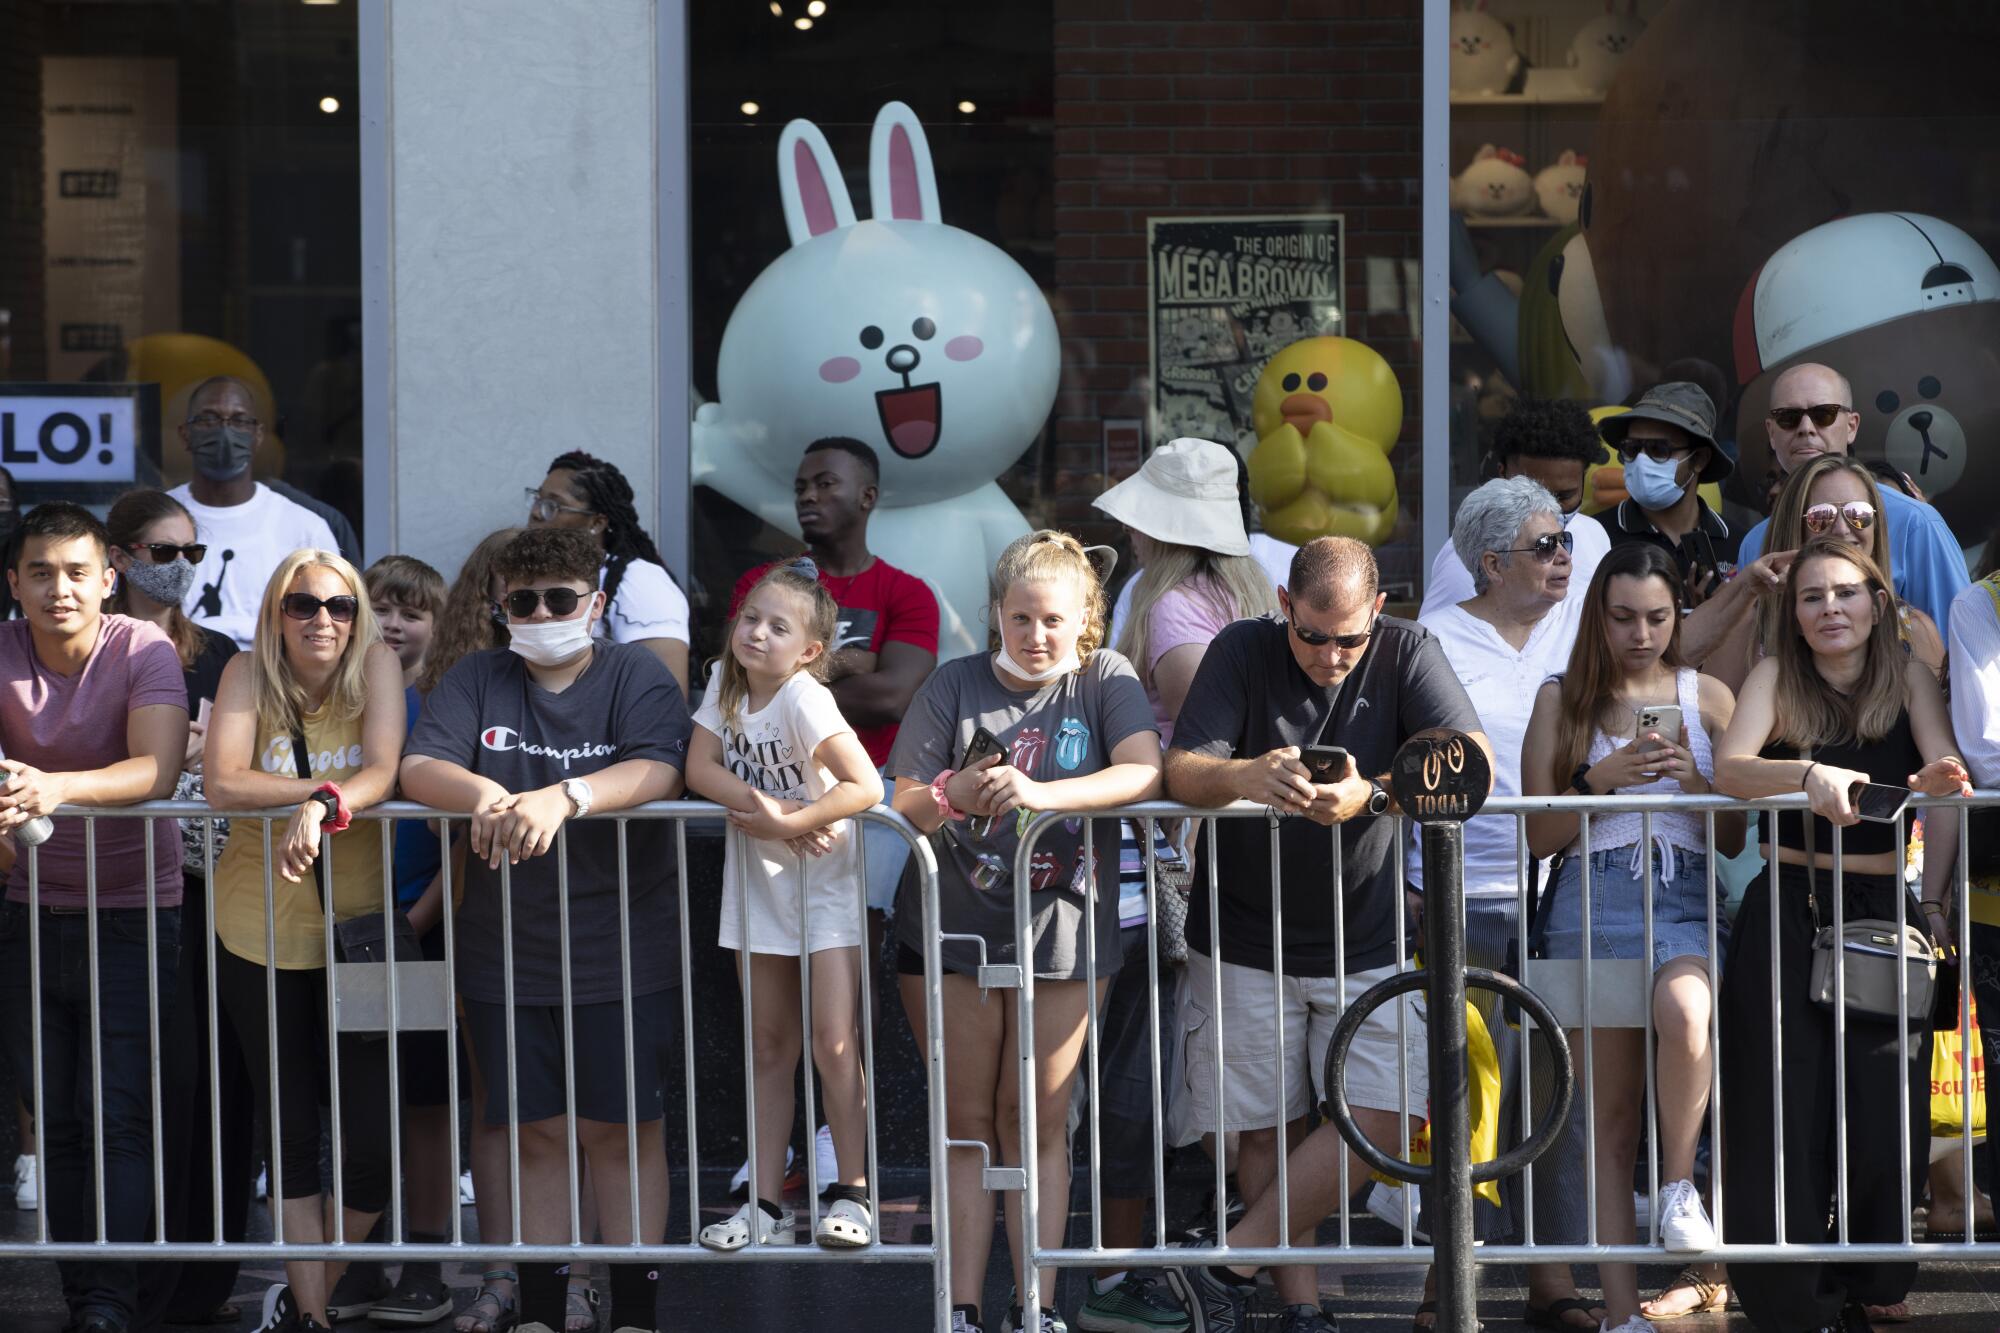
(1092, 1252)
(395, 1000)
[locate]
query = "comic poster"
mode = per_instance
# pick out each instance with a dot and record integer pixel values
(1224, 295)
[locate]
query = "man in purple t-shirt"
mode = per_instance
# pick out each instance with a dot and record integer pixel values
(93, 711)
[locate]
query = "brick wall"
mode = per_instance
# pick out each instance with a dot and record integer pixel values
(1189, 107)
(22, 284)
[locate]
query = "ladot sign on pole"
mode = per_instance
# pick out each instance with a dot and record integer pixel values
(77, 442)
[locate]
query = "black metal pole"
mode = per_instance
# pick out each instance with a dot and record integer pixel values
(1451, 1106)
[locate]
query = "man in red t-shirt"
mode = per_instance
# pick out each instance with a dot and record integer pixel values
(888, 638)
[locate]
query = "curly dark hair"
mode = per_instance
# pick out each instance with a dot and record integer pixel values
(548, 553)
(1546, 428)
(607, 492)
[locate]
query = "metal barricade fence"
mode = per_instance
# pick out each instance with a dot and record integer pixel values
(394, 1001)
(1586, 993)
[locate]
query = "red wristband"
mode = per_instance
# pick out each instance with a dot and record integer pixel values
(341, 818)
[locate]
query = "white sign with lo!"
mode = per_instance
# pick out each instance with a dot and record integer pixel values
(64, 438)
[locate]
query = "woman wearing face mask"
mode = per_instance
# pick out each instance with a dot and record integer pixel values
(1076, 733)
(153, 547)
(311, 720)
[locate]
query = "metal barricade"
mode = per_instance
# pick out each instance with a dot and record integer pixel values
(1582, 993)
(395, 1000)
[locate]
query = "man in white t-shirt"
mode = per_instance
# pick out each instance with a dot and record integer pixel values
(248, 527)
(1553, 441)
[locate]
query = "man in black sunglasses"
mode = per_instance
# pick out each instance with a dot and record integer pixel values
(1269, 695)
(1812, 413)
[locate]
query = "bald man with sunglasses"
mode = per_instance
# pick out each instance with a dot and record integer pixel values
(1812, 413)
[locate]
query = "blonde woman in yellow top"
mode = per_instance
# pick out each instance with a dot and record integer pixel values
(318, 673)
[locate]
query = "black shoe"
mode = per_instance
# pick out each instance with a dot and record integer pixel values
(99, 1323)
(420, 1298)
(1854, 1319)
(280, 1312)
(359, 1290)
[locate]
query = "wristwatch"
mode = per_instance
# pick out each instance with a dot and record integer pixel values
(1378, 798)
(578, 792)
(1581, 781)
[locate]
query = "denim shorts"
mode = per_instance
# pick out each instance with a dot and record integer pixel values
(1617, 908)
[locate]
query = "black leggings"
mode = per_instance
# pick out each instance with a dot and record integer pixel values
(304, 1081)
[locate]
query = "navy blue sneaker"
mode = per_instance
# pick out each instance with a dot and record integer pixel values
(1213, 1306)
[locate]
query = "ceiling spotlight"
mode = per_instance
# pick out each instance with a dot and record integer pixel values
(816, 7)
(802, 23)
(777, 8)
(967, 108)
(321, 2)
(749, 108)
(329, 104)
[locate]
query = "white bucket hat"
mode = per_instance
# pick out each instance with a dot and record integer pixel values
(1185, 493)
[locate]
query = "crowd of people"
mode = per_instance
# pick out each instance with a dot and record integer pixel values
(212, 643)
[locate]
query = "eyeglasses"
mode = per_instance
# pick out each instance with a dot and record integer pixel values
(560, 601)
(210, 420)
(546, 507)
(1660, 451)
(1860, 516)
(304, 606)
(1822, 414)
(163, 553)
(1546, 546)
(1343, 641)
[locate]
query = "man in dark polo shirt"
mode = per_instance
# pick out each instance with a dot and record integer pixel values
(1334, 671)
(1667, 446)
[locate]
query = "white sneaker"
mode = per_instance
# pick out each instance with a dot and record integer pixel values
(27, 1186)
(1635, 1324)
(739, 1184)
(1684, 1224)
(825, 1161)
(735, 1232)
(466, 1197)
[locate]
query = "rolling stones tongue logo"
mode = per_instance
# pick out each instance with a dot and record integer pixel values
(1028, 744)
(912, 418)
(1043, 869)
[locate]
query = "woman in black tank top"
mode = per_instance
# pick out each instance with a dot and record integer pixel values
(1837, 703)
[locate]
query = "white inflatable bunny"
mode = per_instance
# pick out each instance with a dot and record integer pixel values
(918, 338)
(1494, 184)
(1483, 59)
(1559, 186)
(1600, 46)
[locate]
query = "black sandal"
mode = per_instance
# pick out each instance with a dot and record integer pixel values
(1550, 1316)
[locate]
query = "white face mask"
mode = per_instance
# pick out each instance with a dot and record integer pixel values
(1654, 484)
(550, 643)
(1066, 664)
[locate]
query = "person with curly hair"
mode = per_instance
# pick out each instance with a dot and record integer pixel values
(1550, 440)
(642, 602)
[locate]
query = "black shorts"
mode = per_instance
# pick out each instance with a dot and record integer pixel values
(421, 1056)
(598, 1049)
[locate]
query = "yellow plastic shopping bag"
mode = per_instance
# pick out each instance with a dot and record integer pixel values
(1957, 1058)
(1485, 1107)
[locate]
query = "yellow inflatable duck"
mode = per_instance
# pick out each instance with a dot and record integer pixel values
(1604, 482)
(1327, 412)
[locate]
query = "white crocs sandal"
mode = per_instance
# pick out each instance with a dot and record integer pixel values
(734, 1233)
(845, 1225)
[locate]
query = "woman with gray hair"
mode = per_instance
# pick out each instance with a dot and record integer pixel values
(1514, 633)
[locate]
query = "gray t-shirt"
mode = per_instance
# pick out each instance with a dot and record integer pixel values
(1065, 729)
(487, 716)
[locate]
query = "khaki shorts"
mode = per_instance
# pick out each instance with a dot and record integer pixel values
(1251, 1067)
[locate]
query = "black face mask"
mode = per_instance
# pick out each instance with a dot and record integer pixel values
(221, 453)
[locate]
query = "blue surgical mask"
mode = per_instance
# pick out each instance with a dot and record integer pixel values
(1653, 484)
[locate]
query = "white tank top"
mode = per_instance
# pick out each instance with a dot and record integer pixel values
(1671, 830)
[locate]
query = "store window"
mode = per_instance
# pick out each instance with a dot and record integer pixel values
(1102, 233)
(181, 199)
(1707, 191)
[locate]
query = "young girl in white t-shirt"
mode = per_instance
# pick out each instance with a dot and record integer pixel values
(769, 743)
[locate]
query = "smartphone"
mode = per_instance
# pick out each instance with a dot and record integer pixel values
(1663, 718)
(983, 744)
(1878, 801)
(1328, 763)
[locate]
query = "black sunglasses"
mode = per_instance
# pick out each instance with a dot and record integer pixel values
(163, 553)
(1822, 414)
(560, 601)
(304, 606)
(1545, 546)
(1345, 641)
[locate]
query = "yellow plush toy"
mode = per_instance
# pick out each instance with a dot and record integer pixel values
(1327, 412)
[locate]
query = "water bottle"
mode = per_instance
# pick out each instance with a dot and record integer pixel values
(37, 830)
